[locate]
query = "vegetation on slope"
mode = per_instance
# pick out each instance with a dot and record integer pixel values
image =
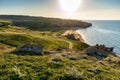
(59, 66)
(16, 40)
(5, 23)
(15, 36)
(45, 24)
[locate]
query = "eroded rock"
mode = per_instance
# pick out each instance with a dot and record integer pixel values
(33, 48)
(99, 51)
(73, 35)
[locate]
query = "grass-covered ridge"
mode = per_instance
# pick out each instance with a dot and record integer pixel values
(44, 23)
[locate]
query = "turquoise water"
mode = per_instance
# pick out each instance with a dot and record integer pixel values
(103, 32)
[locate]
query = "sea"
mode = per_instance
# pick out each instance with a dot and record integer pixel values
(105, 32)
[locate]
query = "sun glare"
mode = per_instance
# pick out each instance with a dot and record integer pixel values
(70, 6)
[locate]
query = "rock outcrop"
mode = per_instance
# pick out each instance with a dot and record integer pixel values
(32, 48)
(73, 35)
(99, 50)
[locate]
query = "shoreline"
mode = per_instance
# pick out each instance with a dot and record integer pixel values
(91, 45)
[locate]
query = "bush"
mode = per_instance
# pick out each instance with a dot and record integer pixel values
(17, 74)
(74, 57)
(5, 23)
(72, 74)
(56, 61)
(1, 24)
(57, 58)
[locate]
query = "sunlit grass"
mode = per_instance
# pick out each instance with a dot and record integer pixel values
(56, 66)
(59, 66)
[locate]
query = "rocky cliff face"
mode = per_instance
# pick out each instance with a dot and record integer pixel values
(73, 35)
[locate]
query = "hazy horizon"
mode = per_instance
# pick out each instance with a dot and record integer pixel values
(86, 10)
(58, 17)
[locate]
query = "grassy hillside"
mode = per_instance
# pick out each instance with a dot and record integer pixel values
(59, 66)
(46, 24)
(15, 36)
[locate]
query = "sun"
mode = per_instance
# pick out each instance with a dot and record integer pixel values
(70, 6)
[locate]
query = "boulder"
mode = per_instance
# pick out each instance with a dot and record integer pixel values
(32, 48)
(99, 50)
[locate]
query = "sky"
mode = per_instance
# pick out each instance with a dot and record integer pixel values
(88, 9)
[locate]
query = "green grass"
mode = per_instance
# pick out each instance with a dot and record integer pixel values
(60, 66)
(79, 46)
(56, 67)
(5, 23)
(19, 39)
(15, 36)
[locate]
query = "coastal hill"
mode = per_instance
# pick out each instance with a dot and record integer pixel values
(63, 57)
(44, 23)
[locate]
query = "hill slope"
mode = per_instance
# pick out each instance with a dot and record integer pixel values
(43, 23)
(16, 36)
(59, 66)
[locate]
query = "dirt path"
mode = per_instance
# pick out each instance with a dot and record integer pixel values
(70, 43)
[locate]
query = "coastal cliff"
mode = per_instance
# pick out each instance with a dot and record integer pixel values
(73, 35)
